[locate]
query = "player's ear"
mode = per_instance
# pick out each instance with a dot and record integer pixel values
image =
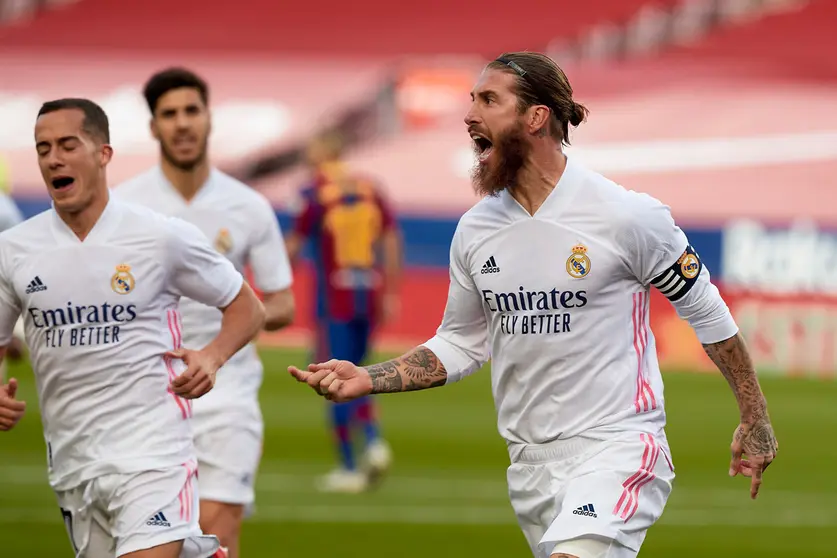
(106, 154)
(155, 132)
(539, 119)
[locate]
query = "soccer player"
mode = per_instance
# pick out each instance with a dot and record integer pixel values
(98, 283)
(550, 274)
(242, 226)
(357, 255)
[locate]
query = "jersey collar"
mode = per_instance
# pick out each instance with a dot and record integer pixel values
(108, 220)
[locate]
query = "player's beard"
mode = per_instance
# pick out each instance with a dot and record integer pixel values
(188, 164)
(500, 172)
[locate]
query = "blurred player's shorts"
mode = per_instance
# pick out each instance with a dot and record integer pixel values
(113, 515)
(612, 490)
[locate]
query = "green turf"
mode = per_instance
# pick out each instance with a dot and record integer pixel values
(446, 496)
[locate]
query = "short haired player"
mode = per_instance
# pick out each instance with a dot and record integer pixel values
(242, 226)
(550, 275)
(98, 283)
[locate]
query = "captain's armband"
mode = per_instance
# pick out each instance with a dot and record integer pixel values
(679, 279)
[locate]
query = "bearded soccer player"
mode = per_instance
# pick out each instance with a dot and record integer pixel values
(357, 257)
(550, 274)
(98, 283)
(242, 226)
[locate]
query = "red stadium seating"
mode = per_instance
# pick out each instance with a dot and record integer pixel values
(361, 27)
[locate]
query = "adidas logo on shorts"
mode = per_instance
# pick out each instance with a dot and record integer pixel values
(159, 520)
(587, 510)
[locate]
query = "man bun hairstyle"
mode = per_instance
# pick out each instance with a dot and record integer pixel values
(540, 81)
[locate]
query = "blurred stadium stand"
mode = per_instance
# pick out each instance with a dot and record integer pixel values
(724, 109)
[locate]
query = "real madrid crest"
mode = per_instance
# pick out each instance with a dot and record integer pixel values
(578, 264)
(223, 242)
(689, 265)
(122, 281)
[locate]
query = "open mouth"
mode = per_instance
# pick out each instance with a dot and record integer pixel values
(62, 182)
(483, 145)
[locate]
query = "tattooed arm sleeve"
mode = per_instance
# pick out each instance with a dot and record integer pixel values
(418, 369)
(733, 360)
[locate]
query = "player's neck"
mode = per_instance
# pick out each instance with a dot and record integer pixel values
(82, 222)
(186, 182)
(537, 179)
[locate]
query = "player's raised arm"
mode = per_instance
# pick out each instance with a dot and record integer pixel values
(458, 349)
(204, 275)
(661, 256)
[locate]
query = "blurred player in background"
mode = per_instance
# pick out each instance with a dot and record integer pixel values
(10, 216)
(550, 274)
(98, 283)
(357, 256)
(242, 226)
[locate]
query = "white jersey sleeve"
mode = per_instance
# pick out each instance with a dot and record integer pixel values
(9, 303)
(10, 215)
(461, 341)
(198, 271)
(268, 257)
(659, 254)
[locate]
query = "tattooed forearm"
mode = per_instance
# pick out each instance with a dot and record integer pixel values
(733, 360)
(418, 369)
(755, 433)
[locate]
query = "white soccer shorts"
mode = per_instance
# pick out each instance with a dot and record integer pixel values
(228, 458)
(113, 515)
(614, 490)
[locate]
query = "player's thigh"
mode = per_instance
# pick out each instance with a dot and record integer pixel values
(228, 461)
(166, 550)
(591, 547)
(360, 331)
(341, 341)
(84, 523)
(155, 511)
(617, 493)
(533, 494)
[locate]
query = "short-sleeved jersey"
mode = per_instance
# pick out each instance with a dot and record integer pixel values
(99, 316)
(345, 218)
(242, 226)
(560, 301)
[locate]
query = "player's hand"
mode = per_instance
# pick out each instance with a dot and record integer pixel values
(753, 448)
(199, 376)
(336, 380)
(11, 410)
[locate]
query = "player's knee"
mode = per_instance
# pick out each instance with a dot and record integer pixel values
(562, 555)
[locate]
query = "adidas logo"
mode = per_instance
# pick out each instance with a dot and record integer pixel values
(490, 266)
(587, 510)
(35, 286)
(159, 520)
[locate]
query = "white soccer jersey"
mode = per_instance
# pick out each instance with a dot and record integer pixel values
(99, 315)
(559, 300)
(242, 226)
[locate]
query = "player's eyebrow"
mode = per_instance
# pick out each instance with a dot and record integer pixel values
(484, 94)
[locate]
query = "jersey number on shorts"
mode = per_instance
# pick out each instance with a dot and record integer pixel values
(68, 522)
(355, 229)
